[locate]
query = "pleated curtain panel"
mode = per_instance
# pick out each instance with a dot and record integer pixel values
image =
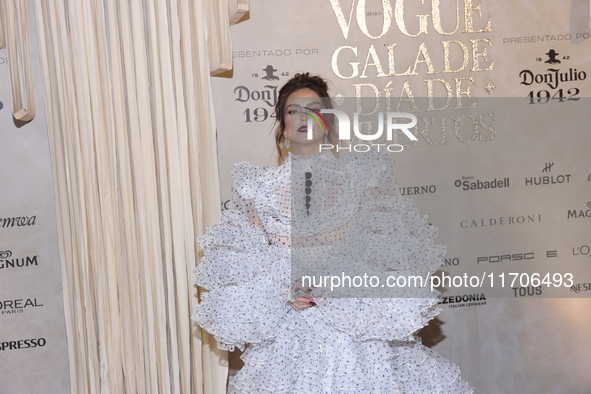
(132, 137)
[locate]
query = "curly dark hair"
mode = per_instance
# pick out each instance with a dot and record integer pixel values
(301, 81)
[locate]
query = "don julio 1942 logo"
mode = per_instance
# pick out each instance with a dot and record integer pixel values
(551, 81)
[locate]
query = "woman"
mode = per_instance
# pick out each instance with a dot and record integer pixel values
(318, 214)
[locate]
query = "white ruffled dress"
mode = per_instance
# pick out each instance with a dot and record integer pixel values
(342, 345)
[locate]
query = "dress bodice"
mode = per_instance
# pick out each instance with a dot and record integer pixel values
(310, 197)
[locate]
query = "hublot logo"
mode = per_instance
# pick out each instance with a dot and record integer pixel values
(547, 179)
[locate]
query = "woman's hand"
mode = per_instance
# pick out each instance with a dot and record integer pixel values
(304, 302)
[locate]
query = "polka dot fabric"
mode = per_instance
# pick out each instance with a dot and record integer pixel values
(343, 345)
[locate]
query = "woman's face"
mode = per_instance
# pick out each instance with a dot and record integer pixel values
(296, 117)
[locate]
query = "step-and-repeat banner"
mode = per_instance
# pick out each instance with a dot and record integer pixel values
(501, 163)
(33, 345)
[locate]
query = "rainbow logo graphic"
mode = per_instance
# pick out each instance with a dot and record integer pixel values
(317, 117)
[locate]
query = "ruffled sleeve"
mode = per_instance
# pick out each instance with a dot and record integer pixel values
(387, 237)
(398, 236)
(246, 279)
